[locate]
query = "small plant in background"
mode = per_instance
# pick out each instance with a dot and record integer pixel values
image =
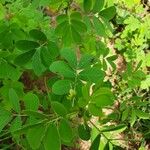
(59, 80)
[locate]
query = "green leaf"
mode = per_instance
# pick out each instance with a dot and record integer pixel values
(139, 65)
(14, 99)
(7, 71)
(99, 27)
(85, 92)
(52, 139)
(96, 143)
(85, 61)
(115, 147)
(114, 128)
(94, 110)
(62, 18)
(35, 114)
(125, 114)
(59, 108)
(65, 31)
(76, 15)
(61, 68)
(84, 132)
(71, 29)
(145, 84)
(148, 59)
(53, 49)
(139, 75)
(79, 25)
(65, 131)
(70, 56)
(82, 102)
(102, 97)
(29, 125)
(102, 100)
(24, 58)
(46, 56)
(35, 136)
(133, 117)
(15, 125)
(61, 87)
(26, 45)
(38, 35)
(98, 5)
(31, 102)
(112, 58)
(87, 21)
(87, 5)
(104, 64)
(108, 13)
(5, 117)
(72, 36)
(37, 65)
(60, 28)
(93, 74)
(25, 3)
(106, 146)
(141, 114)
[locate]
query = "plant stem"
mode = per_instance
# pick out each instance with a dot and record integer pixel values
(101, 132)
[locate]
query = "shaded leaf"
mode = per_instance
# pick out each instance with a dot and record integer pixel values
(65, 131)
(15, 125)
(52, 139)
(5, 117)
(26, 45)
(84, 132)
(7, 71)
(24, 58)
(35, 136)
(53, 49)
(46, 56)
(38, 35)
(31, 102)
(106, 146)
(37, 65)
(87, 5)
(96, 143)
(76, 15)
(14, 100)
(59, 108)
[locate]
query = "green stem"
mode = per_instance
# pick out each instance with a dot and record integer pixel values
(101, 132)
(25, 127)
